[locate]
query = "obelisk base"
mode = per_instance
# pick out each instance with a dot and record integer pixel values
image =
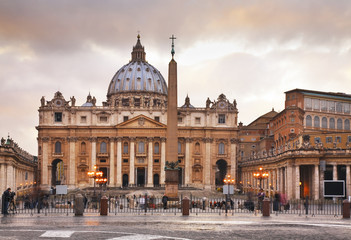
(171, 184)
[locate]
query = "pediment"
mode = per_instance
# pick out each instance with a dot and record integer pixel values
(141, 121)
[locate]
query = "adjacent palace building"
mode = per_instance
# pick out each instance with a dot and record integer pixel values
(125, 138)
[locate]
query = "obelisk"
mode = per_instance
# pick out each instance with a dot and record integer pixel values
(172, 172)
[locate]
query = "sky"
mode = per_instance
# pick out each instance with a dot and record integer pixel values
(251, 51)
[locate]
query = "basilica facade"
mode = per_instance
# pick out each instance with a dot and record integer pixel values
(125, 136)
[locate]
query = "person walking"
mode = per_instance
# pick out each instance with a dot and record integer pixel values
(6, 197)
(164, 201)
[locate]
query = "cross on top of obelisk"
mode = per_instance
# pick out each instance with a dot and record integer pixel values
(172, 52)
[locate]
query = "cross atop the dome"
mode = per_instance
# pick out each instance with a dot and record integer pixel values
(172, 52)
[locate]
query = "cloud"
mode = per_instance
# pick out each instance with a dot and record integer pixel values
(251, 51)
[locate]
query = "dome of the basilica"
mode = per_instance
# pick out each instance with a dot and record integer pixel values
(137, 76)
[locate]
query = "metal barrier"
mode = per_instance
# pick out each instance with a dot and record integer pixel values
(145, 204)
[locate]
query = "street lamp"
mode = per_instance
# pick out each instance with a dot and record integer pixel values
(260, 174)
(228, 188)
(101, 182)
(96, 175)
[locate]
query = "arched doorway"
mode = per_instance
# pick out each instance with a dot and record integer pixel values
(156, 180)
(140, 176)
(221, 171)
(57, 172)
(125, 180)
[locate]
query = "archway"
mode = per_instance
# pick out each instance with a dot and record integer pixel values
(57, 172)
(221, 171)
(156, 180)
(125, 180)
(140, 176)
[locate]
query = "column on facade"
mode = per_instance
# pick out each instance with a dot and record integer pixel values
(233, 169)
(2, 178)
(163, 160)
(112, 162)
(72, 161)
(279, 179)
(269, 185)
(207, 165)
(132, 162)
(316, 182)
(45, 158)
(297, 182)
(348, 181)
(187, 176)
(335, 172)
(93, 156)
(274, 179)
(150, 164)
(9, 175)
(290, 184)
(321, 183)
(119, 162)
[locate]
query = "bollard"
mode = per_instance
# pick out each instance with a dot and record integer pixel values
(78, 205)
(103, 206)
(345, 209)
(265, 207)
(185, 206)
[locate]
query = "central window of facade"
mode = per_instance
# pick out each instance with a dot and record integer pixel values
(58, 116)
(221, 118)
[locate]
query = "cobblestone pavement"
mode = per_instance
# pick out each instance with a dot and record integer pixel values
(173, 227)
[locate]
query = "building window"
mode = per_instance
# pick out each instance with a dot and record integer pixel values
(58, 148)
(338, 139)
(58, 116)
(83, 147)
(339, 124)
(308, 103)
(157, 148)
(221, 148)
(346, 108)
(317, 140)
(347, 124)
(157, 119)
(125, 148)
(332, 123)
(339, 107)
(103, 147)
(324, 106)
(180, 120)
(221, 118)
(103, 119)
(292, 130)
(331, 106)
(83, 119)
(197, 120)
(179, 148)
(329, 139)
(141, 147)
(292, 119)
(125, 102)
(197, 147)
(324, 122)
(102, 160)
(308, 121)
(315, 104)
(125, 118)
(26, 176)
(156, 160)
(349, 139)
(125, 160)
(316, 122)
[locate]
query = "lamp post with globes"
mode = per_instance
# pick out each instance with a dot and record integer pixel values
(228, 189)
(96, 175)
(260, 174)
